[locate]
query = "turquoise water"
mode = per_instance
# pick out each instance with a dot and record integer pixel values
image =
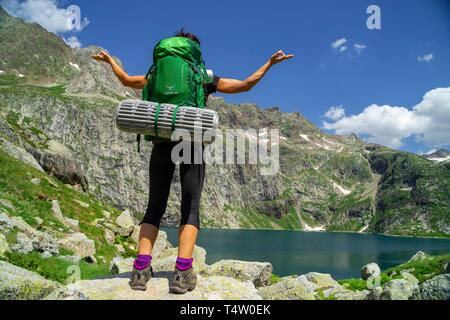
(340, 254)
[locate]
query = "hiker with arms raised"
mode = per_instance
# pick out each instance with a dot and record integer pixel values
(177, 61)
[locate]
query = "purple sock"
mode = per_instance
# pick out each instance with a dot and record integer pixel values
(184, 264)
(142, 262)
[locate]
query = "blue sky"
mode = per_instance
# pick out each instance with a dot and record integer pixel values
(397, 66)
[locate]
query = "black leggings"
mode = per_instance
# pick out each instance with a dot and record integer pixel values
(161, 174)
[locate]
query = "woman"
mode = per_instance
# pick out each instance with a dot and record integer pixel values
(192, 177)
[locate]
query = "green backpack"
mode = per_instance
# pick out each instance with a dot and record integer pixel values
(177, 75)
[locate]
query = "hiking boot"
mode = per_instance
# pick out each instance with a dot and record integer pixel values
(139, 278)
(183, 281)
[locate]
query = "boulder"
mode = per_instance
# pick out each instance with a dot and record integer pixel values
(107, 215)
(20, 284)
(322, 281)
(72, 224)
(419, 256)
(311, 287)
(59, 161)
(257, 272)
(82, 204)
(135, 235)
(398, 289)
(4, 247)
(36, 181)
(120, 249)
(125, 223)
(23, 244)
(119, 265)
(71, 259)
(39, 222)
(7, 204)
(5, 221)
(57, 213)
(66, 294)
(340, 293)
(437, 288)
(20, 154)
(165, 261)
(213, 288)
(290, 288)
(79, 244)
(42, 242)
(110, 236)
(370, 271)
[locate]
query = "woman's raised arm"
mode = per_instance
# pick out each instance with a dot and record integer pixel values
(136, 82)
(237, 86)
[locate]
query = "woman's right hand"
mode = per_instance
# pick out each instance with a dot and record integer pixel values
(102, 56)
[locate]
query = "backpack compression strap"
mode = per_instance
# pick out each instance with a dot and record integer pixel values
(158, 111)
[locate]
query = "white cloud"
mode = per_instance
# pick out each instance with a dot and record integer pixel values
(73, 42)
(426, 58)
(428, 122)
(338, 43)
(335, 113)
(359, 47)
(342, 49)
(44, 12)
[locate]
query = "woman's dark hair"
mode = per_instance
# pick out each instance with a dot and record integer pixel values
(183, 33)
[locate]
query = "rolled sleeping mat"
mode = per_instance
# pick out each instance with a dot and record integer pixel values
(161, 120)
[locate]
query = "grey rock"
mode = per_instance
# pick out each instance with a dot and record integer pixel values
(419, 256)
(39, 222)
(7, 204)
(36, 181)
(213, 288)
(71, 259)
(66, 294)
(20, 154)
(73, 224)
(257, 272)
(437, 288)
(81, 203)
(42, 241)
(340, 293)
(125, 223)
(289, 288)
(135, 235)
(110, 236)
(120, 266)
(23, 243)
(308, 285)
(20, 284)
(79, 244)
(59, 161)
(5, 221)
(322, 281)
(370, 271)
(4, 247)
(165, 260)
(398, 289)
(120, 249)
(107, 215)
(57, 213)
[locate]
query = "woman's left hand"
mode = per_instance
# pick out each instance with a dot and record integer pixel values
(280, 56)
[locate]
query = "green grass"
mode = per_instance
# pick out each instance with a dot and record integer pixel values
(274, 279)
(55, 268)
(422, 270)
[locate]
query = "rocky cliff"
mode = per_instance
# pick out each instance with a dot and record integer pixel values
(58, 106)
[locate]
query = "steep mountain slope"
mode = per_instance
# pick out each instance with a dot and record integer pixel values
(63, 114)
